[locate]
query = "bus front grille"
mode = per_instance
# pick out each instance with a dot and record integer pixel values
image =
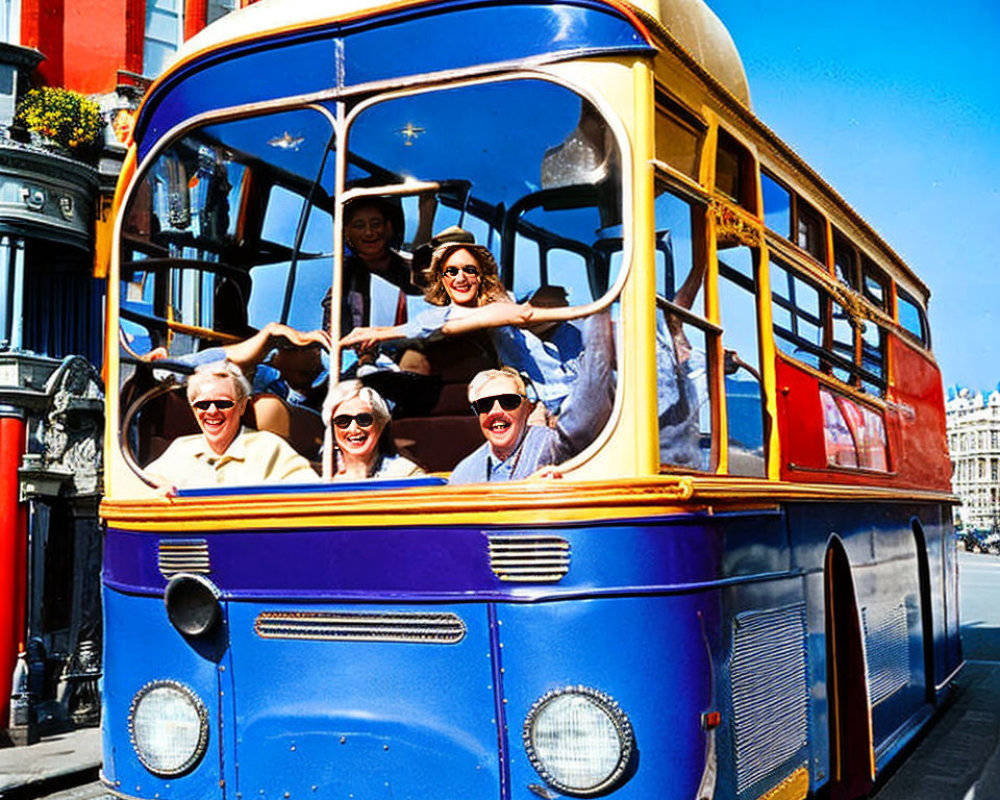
(183, 555)
(529, 559)
(343, 626)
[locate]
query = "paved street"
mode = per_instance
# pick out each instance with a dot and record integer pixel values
(957, 758)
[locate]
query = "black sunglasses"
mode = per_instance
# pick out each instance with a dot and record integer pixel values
(222, 405)
(508, 402)
(468, 269)
(364, 420)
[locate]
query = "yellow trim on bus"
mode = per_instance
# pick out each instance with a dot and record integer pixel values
(514, 503)
(794, 787)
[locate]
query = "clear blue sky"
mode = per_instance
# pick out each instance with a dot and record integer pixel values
(897, 106)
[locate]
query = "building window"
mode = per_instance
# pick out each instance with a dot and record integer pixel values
(219, 8)
(10, 21)
(164, 34)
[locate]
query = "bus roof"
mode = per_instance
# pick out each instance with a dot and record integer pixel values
(690, 22)
(690, 25)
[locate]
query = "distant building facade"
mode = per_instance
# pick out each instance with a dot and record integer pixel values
(974, 442)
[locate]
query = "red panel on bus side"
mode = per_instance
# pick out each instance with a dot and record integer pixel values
(800, 423)
(914, 427)
(923, 441)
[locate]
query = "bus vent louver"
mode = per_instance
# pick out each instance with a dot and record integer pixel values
(770, 691)
(345, 626)
(183, 555)
(887, 646)
(529, 559)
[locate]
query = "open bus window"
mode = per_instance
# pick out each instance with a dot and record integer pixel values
(738, 315)
(545, 199)
(682, 338)
(228, 228)
(797, 316)
(777, 205)
(682, 391)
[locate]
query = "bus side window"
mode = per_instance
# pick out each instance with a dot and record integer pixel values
(911, 317)
(682, 389)
(738, 311)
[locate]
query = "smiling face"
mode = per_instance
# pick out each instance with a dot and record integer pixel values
(462, 286)
(368, 232)
(357, 443)
(503, 429)
(219, 426)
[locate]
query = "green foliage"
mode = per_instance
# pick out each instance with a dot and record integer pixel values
(64, 116)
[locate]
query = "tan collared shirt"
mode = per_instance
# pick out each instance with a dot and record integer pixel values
(253, 457)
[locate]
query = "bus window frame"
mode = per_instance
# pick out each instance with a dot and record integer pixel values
(924, 337)
(340, 111)
(745, 173)
(827, 356)
(370, 97)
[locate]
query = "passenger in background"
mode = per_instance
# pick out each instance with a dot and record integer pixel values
(465, 286)
(363, 437)
(372, 235)
(516, 449)
(225, 453)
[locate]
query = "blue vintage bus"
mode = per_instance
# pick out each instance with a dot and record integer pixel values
(743, 585)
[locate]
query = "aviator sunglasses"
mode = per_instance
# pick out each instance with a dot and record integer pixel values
(222, 405)
(508, 402)
(468, 269)
(364, 420)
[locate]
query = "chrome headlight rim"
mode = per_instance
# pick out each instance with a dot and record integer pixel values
(202, 714)
(618, 718)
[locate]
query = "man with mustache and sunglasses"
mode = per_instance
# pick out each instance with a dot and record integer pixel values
(225, 453)
(515, 449)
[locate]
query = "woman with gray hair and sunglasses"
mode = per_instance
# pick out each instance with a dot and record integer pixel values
(362, 434)
(225, 453)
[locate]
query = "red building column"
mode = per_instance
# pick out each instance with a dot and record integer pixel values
(195, 17)
(13, 551)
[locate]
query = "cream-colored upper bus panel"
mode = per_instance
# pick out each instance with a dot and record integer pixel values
(694, 26)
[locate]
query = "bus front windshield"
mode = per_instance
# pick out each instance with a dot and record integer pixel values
(230, 235)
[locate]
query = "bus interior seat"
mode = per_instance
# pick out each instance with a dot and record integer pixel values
(433, 423)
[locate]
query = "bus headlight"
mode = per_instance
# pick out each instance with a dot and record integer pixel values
(169, 727)
(579, 741)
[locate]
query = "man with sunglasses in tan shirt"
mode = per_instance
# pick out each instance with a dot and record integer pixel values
(225, 453)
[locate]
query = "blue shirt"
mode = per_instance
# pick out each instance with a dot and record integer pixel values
(584, 413)
(551, 364)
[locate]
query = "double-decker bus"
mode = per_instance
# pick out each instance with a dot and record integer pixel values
(741, 585)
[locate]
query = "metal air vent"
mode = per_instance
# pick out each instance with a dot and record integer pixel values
(183, 555)
(529, 559)
(770, 691)
(346, 626)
